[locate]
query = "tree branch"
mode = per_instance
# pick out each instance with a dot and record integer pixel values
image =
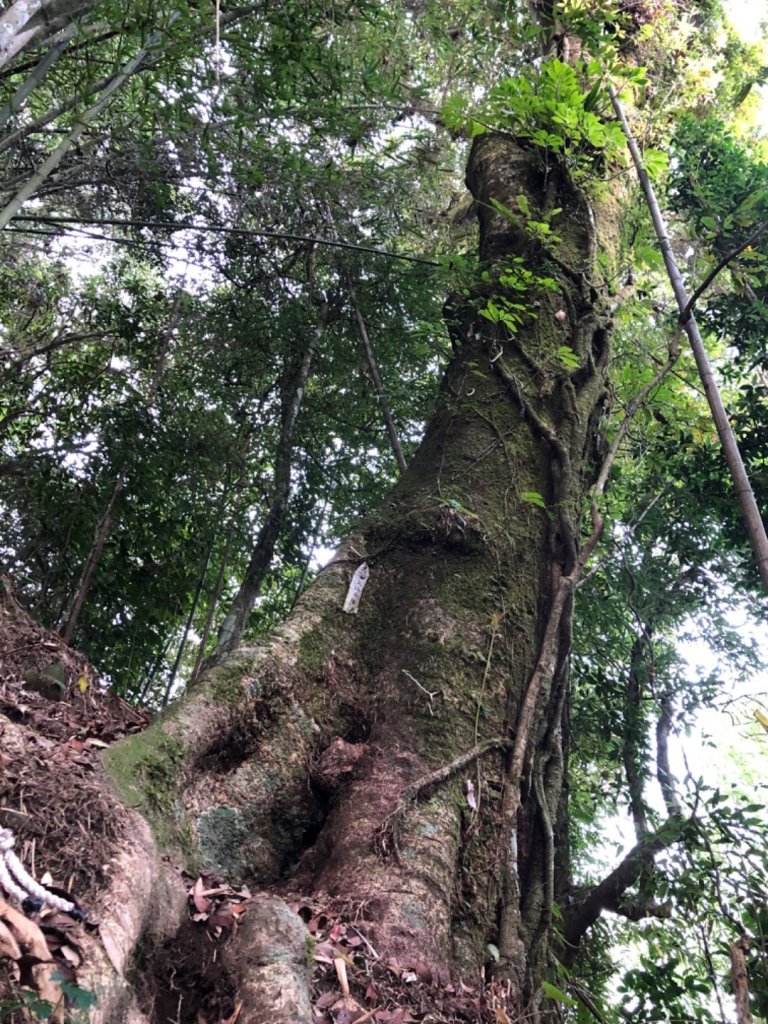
(687, 311)
(663, 771)
(15, 32)
(373, 367)
(607, 895)
(638, 910)
(632, 723)
(740, 979)
(50, 115)
(598, 524)
(19, 98)
(54, 159)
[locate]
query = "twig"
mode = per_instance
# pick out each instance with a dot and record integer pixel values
(632, 409)
(431, 694)
(53, 160)
(386, 840)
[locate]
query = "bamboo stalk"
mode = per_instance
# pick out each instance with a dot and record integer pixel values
(53, 160)
(750, 512)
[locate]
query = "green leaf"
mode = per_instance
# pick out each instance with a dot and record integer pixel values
(550, 991)
(656, 163)
(454, 113)
(533, 498)
(504, 210)
(491, 312)
(568, 357)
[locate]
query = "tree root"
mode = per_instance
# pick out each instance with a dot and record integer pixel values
(269, 960)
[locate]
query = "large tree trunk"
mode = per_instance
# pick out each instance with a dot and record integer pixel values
(303, 766)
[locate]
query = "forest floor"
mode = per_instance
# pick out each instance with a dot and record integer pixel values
(56, 717)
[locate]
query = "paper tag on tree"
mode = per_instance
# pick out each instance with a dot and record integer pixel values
(356, 587)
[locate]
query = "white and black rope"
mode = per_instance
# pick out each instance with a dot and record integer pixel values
(17, 881)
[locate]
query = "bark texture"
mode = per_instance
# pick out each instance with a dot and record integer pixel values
(313, 764)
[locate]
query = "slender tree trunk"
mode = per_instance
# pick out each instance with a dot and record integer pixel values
(140, 695)
(49, 165)
(187, 626)
(27, 23)
(365, 341)
(213, 602)
(15, 28)
(94, 557)
(310, 555)
(14, 138)
(104, 526)
(740, 980)
(373, 368)
(753, 520)
(20, 97)
(236, 619)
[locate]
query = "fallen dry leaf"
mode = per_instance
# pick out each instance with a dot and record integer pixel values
(324, 952)
(325, 1000)
(35, 963)
(222, 918)
(347, 1009)
(201, 903)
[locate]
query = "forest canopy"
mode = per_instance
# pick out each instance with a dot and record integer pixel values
(277, 278)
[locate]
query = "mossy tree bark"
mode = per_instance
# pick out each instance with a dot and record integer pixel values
(300, 764)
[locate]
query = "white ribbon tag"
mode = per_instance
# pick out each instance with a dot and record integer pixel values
(356, 587)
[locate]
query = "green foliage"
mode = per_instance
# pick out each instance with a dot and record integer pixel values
(533, 498)
(563, 109)
(511, 314)
(163, 359)
(518, 280)
(670, 572)
(550, 991)
(568, 357)
(79, 1000)
(720, 186)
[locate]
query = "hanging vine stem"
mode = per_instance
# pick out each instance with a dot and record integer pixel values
(752, 518)
(546, 662)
